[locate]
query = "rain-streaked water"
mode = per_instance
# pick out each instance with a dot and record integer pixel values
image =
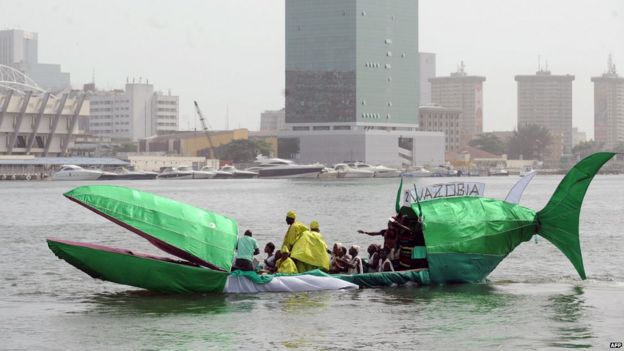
(533, 300)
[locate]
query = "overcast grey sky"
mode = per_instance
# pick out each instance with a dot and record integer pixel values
(231, 52)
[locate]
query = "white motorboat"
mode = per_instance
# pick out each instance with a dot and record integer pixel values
(237, 173)
(344, 171)
(378, 171)
(73, 172)
(526, 170)
(498, 172)
(280, 168)
(123, 173)
(201, 174)
(444, 171)
(417, 172)
(176, 173)
(328, 173)
(216, 173)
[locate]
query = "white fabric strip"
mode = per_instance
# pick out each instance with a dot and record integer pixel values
(295, 283)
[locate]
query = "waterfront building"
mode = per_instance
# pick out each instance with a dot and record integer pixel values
(190, 143)
(464, 92)
(137, 112)
(19, 49)
(35, 122)
(155, 162)
(273, 120)
(609, 107)
(352, 84)
(427, 69)
(545, 99)
(442, 119)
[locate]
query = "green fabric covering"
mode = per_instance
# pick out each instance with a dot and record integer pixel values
(205, 235)
(371, 280)
(471, 224)
(146, 273)
(419, 252)
(461, 268)
(560, 218)
(466, 237)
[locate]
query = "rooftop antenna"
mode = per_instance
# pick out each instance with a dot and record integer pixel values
(611, 66)
(539, 63)
(93, 76)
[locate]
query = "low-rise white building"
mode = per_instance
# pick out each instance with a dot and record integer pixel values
(394, 148)
(156, 162)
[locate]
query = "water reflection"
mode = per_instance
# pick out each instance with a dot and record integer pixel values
(570, 315)
(144, 302)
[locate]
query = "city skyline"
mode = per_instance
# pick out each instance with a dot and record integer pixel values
(202, 50)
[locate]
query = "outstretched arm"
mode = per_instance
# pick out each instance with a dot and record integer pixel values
(369, 233)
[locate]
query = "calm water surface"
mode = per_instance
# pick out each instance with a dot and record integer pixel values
(533, 300)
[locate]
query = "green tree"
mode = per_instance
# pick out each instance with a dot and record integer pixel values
(529, 142)
(243, 150)
(488, 142)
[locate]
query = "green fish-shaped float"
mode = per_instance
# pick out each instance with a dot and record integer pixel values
(465, 238)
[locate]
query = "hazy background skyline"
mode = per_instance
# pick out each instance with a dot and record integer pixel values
(231, 53)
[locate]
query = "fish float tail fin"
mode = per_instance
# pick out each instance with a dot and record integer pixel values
(559, 220)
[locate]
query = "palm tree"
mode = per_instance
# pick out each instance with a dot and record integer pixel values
(488, 142)
(529, 142)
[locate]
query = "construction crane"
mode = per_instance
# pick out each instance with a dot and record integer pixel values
(206, 130)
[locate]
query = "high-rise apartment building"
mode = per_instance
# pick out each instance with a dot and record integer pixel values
(545, 99)
(352, 84)
(609, 107)
(434, 118)
(427, 62)
(464, 92)
(135, 113)
(19, 49)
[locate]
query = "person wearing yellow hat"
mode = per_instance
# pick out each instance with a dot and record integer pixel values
(314, 226)
(284, 264)
(310, 251)
(293, 233)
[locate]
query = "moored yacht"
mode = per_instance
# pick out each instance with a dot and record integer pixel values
(237, 173)
(526, 170)
(345, 171)
(498, 172)
(123, 173)
(176, 173)
(328, 173)
(217, 174)
(378, 171)
(417, 172)
(73, 172)
(201, 174)
(280, 168)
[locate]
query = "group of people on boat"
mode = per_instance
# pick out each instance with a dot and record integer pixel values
(304, 249)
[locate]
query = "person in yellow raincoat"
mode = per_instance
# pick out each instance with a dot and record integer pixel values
(305, 247)
(293, 233)
(310, 250)
(284, 264)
